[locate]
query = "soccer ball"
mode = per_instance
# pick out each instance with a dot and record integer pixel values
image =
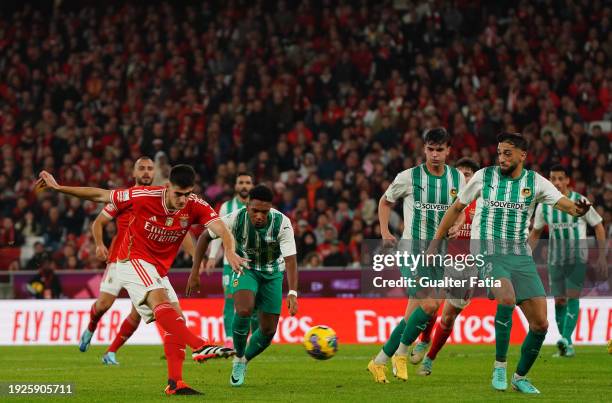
(321, 342)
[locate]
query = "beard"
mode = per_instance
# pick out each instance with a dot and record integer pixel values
(243, 193)
(144, 181)
(508, 170)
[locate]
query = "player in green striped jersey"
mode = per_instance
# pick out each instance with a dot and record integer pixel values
(427, 191)
(242, 186)
(567, 256)
(265, 237)
(506, 197)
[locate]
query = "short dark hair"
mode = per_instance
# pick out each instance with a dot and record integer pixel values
(242, 173)
(559, 168)
(261, 193)
(468, 163)
(516, 139)
(182, 176)
(437, 135)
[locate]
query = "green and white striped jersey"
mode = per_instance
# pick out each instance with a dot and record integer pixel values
(266, 247)
(426, 198)
(565, 230)
(505, 205)
(226, 208)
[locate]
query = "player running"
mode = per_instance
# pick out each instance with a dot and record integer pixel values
(265, 236)
(242, 187)
(452, 306)
(428, 190)
(161, 218)
(506, 197)
(567, 256)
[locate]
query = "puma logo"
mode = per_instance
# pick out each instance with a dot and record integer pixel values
(422, 327)
(571, 315)
(504, 324)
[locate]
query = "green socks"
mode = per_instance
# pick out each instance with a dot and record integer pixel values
(394, 339)
(258, 343)
(560, 311)
(240, 327)
(503, 326)
(417, 322)
(571, 317)
(529, 351)
(254, 322)
(228, 316)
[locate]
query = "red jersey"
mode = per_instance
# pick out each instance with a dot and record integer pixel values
(154, 233)
(122, 218)
(466, 229)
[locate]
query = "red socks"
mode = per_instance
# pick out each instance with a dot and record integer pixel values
(177, 335)
(94, 318)
(175, 355)
(440, 336)
(173, 323)
(126, 330)
(426, 334)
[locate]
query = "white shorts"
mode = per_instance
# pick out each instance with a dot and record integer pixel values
(139, 278)
(110, 281)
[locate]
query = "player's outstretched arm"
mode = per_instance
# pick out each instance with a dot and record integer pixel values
(449, 219)
(292, 282)
(534, 237)
(96, 230)
(188, 245)
(576, 209)
(94, 194)
(602, 246)
(229, 245)
(384, 211)
(193, 283)
(215, 245)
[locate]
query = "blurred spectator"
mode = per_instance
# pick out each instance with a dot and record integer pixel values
(45, 284)
(40, 258)
(332, 104)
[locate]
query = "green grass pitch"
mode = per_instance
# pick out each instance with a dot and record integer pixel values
(286, 373)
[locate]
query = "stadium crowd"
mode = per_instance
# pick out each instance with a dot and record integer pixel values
(325, 101)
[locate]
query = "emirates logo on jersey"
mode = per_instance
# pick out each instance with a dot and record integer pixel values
(526, 192)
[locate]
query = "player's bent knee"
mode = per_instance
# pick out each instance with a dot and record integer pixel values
(506, 300)
(430, 307)
(103, 304)
(539, 325)
(447, 320)
(244, 312)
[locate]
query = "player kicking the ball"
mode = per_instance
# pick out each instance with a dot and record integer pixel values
(567, 256)
(264, 236)
(144, 171)
(427, 191)
(452, 306)
(506, 198)
(161, 218)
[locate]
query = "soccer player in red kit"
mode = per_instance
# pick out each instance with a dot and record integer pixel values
(144, 171)
(161, 218)
(452, 306)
